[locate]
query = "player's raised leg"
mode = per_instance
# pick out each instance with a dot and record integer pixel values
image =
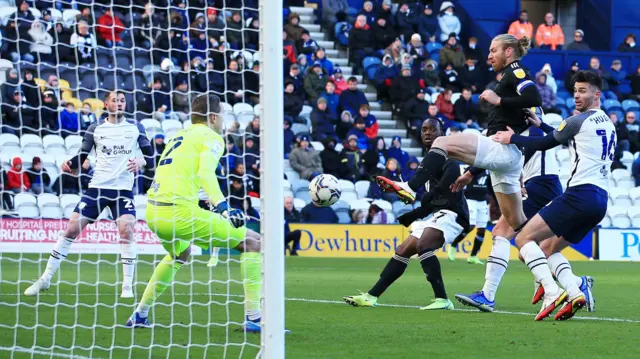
(60, 251)
(392, 271)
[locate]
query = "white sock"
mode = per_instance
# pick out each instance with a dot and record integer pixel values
(560, 266)
(497, 264)
(143, 310)
(214, 251)
(254, 315)
(535, 259)
(59, 252)
(128, 258)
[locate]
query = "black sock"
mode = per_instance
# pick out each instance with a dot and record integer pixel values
(430, 168)
(477, 243)
(458, 240)
(431, 267)
(391, 272)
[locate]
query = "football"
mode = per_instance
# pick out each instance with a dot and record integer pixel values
(325, 190)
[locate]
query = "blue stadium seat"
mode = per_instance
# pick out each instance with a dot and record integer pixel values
(630, 105)
(370, 65)
(141, 58)
(571, 104)
(343, 218)
(299, 186)
(611, 104)
(89, 83)
(475, 98)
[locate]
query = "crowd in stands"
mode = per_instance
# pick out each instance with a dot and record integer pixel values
(162, 53)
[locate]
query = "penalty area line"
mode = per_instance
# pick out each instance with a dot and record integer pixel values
(50, 354)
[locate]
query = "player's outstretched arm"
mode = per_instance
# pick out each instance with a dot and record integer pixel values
(145, 147)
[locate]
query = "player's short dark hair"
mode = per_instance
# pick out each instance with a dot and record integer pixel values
(352, 79)
(524, 12)
(466, 89)
(589, 77)
(202, 106)
(114, 92)
(438, 121)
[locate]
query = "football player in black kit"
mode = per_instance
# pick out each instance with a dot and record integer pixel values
(447, 217)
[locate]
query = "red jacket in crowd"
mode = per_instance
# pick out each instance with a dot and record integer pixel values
(110, 27)
(17, 178)
(445, 107)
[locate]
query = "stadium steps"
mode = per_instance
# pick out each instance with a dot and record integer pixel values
(342, 62)
(306, 11)
(313, 28)
(390, 132)
(316, 35)
(388, 124)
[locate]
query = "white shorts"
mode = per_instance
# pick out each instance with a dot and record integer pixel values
(444, 221)
(504, 163)
(478, 213)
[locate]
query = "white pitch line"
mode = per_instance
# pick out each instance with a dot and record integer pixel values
(42, 352)
(326, 301)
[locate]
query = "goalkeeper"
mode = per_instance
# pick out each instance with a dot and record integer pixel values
(189, 162)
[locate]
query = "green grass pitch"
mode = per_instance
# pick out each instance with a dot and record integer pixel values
(322, 326)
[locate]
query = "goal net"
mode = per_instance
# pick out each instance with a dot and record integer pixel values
(59, 60)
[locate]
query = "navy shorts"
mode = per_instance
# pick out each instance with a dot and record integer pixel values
(577, 211)
(541, 191)
(95, 200)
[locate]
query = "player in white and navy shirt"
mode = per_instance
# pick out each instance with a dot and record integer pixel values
(115, 140)
(591, 138)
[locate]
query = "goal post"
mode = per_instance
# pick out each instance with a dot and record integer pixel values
(272, 154)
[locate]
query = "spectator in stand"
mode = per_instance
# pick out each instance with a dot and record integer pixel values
(344, 125)
(416, 110)
(383, 77)
(594, 66)
(635, 84)
(448, 21)
(471, 76)
(352, 160)
(87, 117)
(620, 82)
(403, 89)
(323, 121)
(359, 127)
(433, 112)
(568, 77)
(396, 51)
(330, 157)
(292, 101)
(85, 14)
(351, 99)
(472, 50)
(305, 160)
(289, 49)
(235, 84)
(11, 84)
(410, 170)
(340, 82)
(362, 41)
(233, 33)
(546, 93)
(417, 51)
(391, 171)
(522, 26)
(19, 115)
(251, 156)
(629, 44)
(49, 114)
(466, 111)
(84, 43)
(551, 81)
(41, 42)
(291, 214)
(161, 99)
(427, 22)
(6, 201)
(321, 57)
(369, 12)
(634, 131)
(450, 79)
(293, 28)
(295, 76)
(215, 25)
(31, 89)
(396, 151)
(252, 34)
(18, 180)
(181, 103)
(38, 177)
(289, 137)
(405, 21)
(237, 192)
(371, 123)
(251, 185)
(386, 12)
(549, 35)
(146, 30)
(384, 33)
(53, 84)
(452, 52)
(198, 45)
(69, 123)
(445, 107)
(306, 45)
(314, 81)
(24, 17)
(333, 100)
(253, 129)
(578, 43)
(376, 158)
(312, 213)
(61, 38)
(109, 27)
(635, 170)
(342, 28)
(303, 63)
(622, 133)
(431, 77)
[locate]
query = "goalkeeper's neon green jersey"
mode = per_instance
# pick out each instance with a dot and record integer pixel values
(188, 163)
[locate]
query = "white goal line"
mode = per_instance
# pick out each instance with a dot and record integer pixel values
(50, 354)
(326, 301)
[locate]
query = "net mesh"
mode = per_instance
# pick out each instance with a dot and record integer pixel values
(61, 59)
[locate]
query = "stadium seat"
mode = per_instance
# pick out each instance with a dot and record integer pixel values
(9, 143)
(171, 127)
(362, 188)
(54, 145)
(400, 208)
(288, 193)
(391, 218)
(306, 111)
(298, 128)
(455, 97)
(384, 205)
(347, 186)
(338, 147)
(343, 217)
(255, 202)
(606, 222)
(299, 185)
(299, 204)
(626, 183)
(26, 205)
(256, 110)
(349, 196)
(552, 119)
(228, 119)
(304, 196)
(619, 217)
(630, 105)
(225, 107)
(634, 216)
(140, 201)
(627, 159)
(362, 204)
(620, 173)
(242, 108)
(620, 197)
(341, 206)
(68, 203)
(292, 175)
(49, 206)
(244, 119)
(73, 143)
(634, 194)
(286, 184)
(31, 144)
(610, 105)
(151, 126)
(571, 104)
(317, 145)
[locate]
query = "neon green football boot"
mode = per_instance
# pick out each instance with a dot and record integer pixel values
(439, 304)
(451, 252)
(362, 300)
(474, 260)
